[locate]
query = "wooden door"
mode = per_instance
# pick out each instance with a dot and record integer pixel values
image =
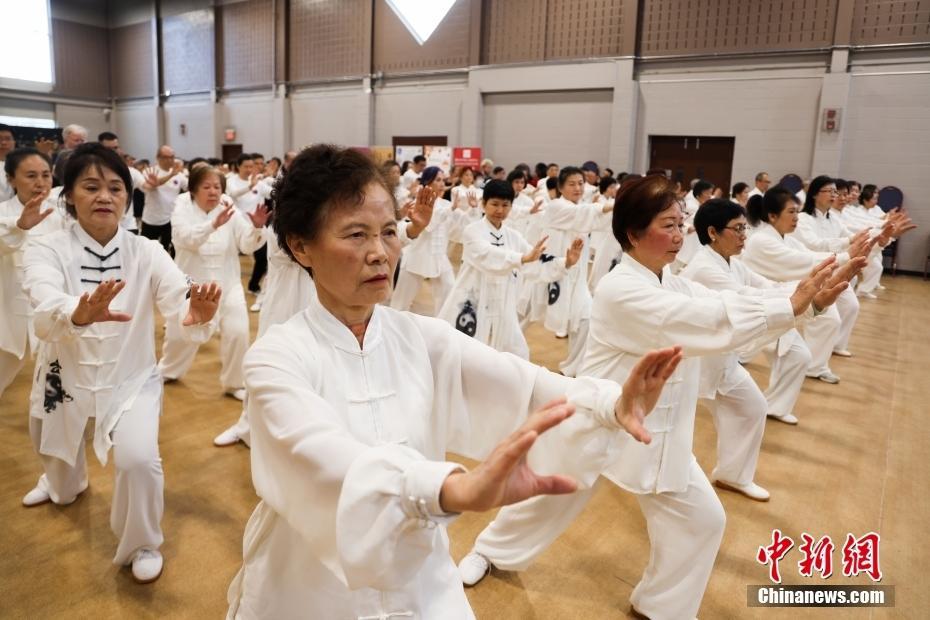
(694, 157)
(231, 152)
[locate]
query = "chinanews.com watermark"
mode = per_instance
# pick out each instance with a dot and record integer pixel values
(858, 556)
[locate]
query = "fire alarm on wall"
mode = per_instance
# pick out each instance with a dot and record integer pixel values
(831, 119)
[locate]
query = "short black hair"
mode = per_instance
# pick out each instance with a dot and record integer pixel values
(93, 155)
(739, 188)
(868, 191)
(15, 157)
(196, 161)
(495, 188)
(418, 159)
(700, 187)
(321, 178)
(497, 170)
(257, 156)
(244, 157)
(841, 184)
(605, 183)
(4, 127)
(516, 173)
(568, 171)
(107, 135)
(716, 213)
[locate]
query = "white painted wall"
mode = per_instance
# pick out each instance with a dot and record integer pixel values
(253, 117)
(338, 116)
(137, 124)
(566, 127)
(772, 116)
(419, 109)
(198, 117)
(91, 117)
(887, 142)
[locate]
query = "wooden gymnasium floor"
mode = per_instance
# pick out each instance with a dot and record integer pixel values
(857, 462)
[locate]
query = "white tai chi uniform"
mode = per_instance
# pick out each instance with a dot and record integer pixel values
(483, 301)
(854, 218)
(569, 298)
(634, 312)
(785, 259)
(104, 371)
(789, 357)
(348, 457)
(209, 254)
(690, 244)
(288, 290)
(17, 337)
(427, 257)
(822, 233)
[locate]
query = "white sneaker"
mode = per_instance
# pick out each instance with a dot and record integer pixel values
(879, 287)
(256, 307)
(147, 565)
(867, 295)
(36, 497)
(842, 352)
(228, 437)
(750, 490)
(237, 394)
(826, 376)
(787, 418)
(473, 568)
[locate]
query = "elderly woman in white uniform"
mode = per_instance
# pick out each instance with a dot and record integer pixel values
(774, 253)
(637, 305)
(353, 406)
(208, 234)
(818, 231)
(495, 261)
(569, 218)
(426, 257)
(94, 288)
(26, 216)
(721, 228)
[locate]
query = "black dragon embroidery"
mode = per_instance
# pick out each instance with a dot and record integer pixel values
(54, 391)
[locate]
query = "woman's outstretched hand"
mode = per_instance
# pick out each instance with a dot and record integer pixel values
(505, 477)
(642, 389)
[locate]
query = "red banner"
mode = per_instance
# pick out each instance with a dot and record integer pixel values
(466, 156)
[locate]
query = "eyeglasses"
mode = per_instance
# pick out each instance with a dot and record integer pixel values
(739, 229)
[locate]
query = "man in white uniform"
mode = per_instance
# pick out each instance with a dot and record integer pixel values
(247, 191)
(762, 184)
(163, 184)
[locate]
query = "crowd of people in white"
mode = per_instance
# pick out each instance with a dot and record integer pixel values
(351, 401)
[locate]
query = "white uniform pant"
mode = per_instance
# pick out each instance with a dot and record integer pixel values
(577, 340)
(178, 353)
(787, 375)
(408, 285)
(848, 306)
(871, 275)
(685, 530)
(739, 416)
(242, 428)
(139, 491)
(821, 335)
(10, 365)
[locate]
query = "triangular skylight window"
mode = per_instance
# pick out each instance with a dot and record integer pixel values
(421, 17)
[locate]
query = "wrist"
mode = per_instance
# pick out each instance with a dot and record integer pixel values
(450, 495)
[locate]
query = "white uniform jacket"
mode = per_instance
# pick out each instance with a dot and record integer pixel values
(570, 298)
(96, 370)
(426, 255)
(635, 312)
(780, 258)
(348, 457)
(208, 254)
(288, 286)
(483, 302)
(16, 325)
(711, 270)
